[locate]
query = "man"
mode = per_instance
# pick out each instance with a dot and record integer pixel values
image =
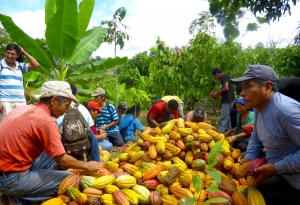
(162, 112)
(227, 98)
(197, 115)
(122, 108)
(108, 119)
(167, 98)
(11, 78)
(276, 135)
(25, 133)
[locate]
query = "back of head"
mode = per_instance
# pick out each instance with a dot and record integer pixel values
(216, 71)
(199, 114)
(172, 105)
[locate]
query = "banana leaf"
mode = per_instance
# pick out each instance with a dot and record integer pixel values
(86, 8)
(50, 10)
(88, 43)
(62, 29)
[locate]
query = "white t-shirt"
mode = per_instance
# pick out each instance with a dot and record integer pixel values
(85, 113)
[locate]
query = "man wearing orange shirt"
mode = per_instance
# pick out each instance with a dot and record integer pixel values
(26, 133)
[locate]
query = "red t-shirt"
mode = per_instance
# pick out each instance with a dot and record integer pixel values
(159, 109)
(25, 133)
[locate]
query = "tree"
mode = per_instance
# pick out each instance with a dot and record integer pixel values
(228, 12)
(114, 32)
(68, 45)
(116, 36)
(4, 40)
(204, 23)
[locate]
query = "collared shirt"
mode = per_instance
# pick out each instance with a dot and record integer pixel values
(11, 82)
(107, 115)
(84, 112)
(277, 133)
(25, 133)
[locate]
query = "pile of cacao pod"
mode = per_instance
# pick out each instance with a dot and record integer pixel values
(158, 169)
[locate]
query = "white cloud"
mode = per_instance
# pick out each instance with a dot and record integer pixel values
(31, 22)
(147, 20)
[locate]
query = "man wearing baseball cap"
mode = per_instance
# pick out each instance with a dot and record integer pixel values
(25, 133)
(108, 119)
(276, 135)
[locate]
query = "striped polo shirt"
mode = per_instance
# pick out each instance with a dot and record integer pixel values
(107, 115)
(11, 82)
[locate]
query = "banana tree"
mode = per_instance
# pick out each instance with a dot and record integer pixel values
(69, 44)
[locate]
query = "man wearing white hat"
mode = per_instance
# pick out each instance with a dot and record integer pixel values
(25, 133)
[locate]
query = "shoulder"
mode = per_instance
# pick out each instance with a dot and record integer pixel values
(285, 105)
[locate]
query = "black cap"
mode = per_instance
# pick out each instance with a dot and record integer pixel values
(123, 105)
(263, 72)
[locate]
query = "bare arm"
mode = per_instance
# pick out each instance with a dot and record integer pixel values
(67, 161)
(113, 123)
(32, 61)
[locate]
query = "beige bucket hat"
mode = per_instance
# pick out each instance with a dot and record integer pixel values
(56, 88)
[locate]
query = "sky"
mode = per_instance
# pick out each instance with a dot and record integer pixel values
(149, 19)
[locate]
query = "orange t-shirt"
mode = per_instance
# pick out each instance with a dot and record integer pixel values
(25, 133)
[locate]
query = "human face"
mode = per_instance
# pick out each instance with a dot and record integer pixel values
(11, 57)
(59, 107)
(94, 113)
(218, 76)
(256, 95)
(100, 99)
(241, 108)
(121, 111)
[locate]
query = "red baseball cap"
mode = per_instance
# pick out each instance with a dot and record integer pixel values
(94, 105)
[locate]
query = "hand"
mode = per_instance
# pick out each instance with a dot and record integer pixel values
(1, 108)
(231, 139)
(264, 172)
(213, 95)
(244, 160)
(22, 50)
(104, 127)
(93, 166)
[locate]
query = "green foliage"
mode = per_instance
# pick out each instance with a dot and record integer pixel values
(252, 27)
(189, 201)
(62, 29)
(197, 182)
(215, 175)
(4, 40)
(215, 200)
(204, 23)
(214, 152)
(228, 12)
(114, 33)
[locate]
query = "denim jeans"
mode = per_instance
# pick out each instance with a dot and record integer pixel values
(115, 138)
(224, 122)
(105, 144)
(34, 185)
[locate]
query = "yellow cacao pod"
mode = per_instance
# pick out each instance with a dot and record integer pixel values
(103, 181)
(125, 181)
(131, 196)
(255, 197)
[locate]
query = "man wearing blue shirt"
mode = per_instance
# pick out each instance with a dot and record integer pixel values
(276, 135)
(108, 118)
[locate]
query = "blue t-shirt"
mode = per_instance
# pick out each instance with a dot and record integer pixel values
(132, 123)
(277, 133)
(107, 115)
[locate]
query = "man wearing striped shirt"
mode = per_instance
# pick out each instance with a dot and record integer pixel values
(108, 118)
(11, 78)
